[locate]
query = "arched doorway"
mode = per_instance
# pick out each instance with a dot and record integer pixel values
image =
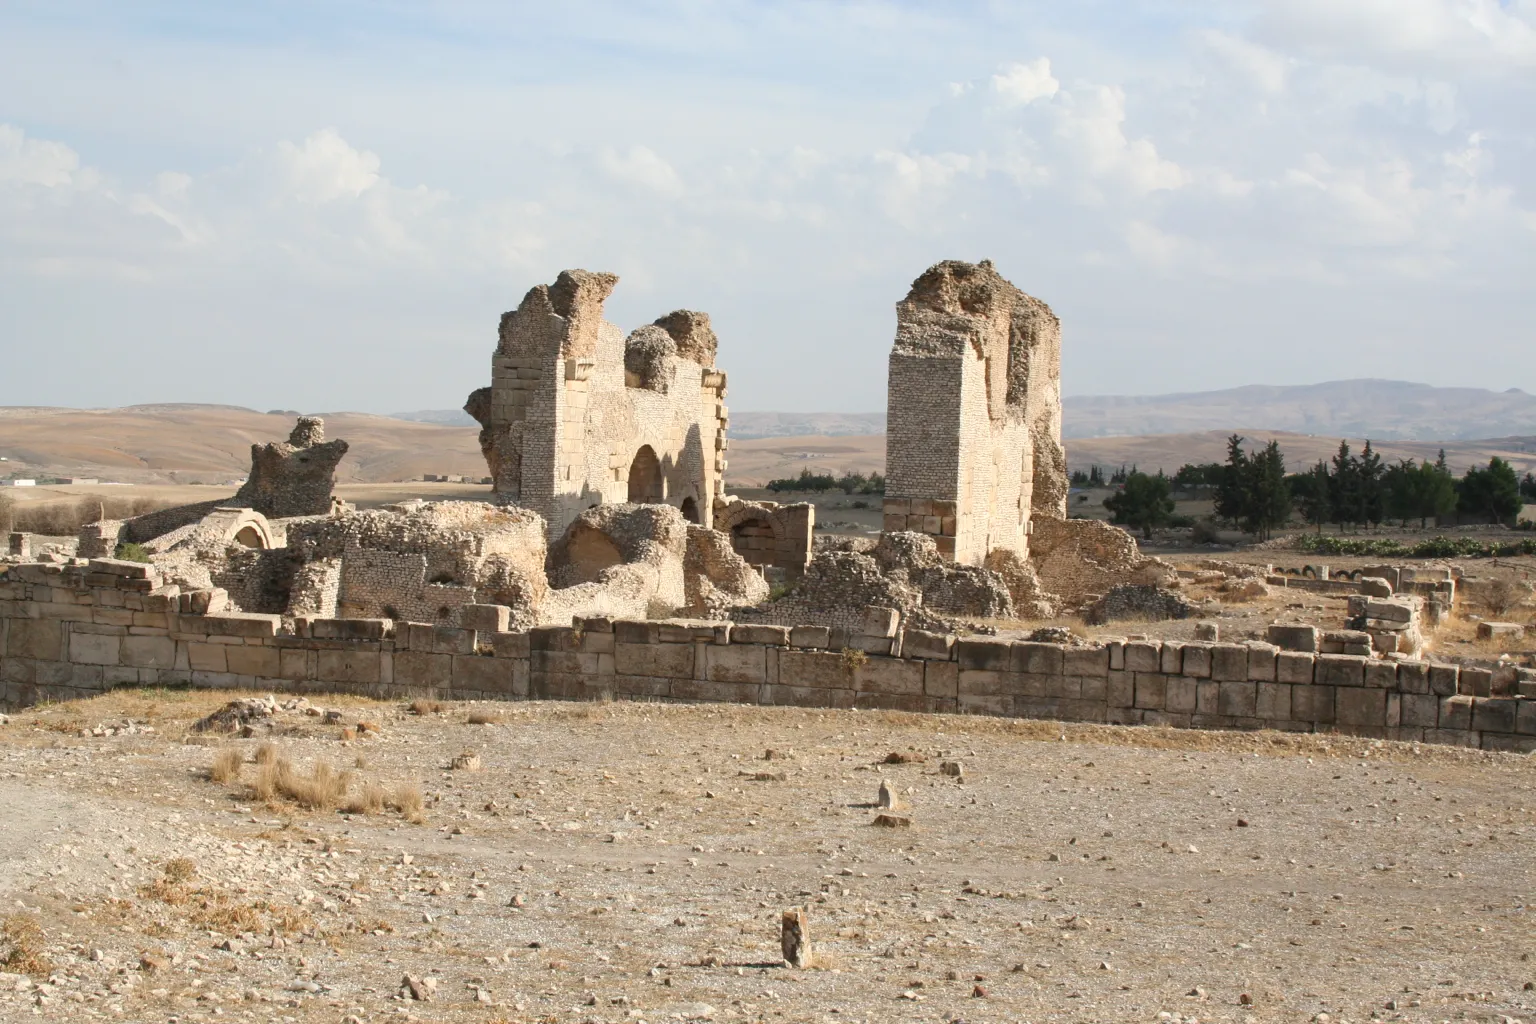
(754, 541)
(250, 537)
(645, 477)
(690, 509)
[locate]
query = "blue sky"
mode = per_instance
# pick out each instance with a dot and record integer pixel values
(327, 205)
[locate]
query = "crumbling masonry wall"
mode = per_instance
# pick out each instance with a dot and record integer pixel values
(577, 415)
(75, 631)
(974, 388)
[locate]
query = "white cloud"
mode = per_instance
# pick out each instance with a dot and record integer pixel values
(1020, 84)
(25, 161)
(1475, 34)
(1092, 125)
(641, 165)
(1264, 68)
(324, 168)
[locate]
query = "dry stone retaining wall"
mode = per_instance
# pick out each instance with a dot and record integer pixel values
(74, 631)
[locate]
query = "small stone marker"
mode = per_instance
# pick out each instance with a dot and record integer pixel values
(954, 769)
(467, 762)
(887, 798)
(1207, 632)
(795, 938)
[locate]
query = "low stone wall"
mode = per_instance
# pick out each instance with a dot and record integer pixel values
(72, 631)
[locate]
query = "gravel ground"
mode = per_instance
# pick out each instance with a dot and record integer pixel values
(623, 862)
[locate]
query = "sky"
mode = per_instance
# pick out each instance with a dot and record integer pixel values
(327, 205)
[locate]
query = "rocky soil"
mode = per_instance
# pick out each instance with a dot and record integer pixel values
(626, 862)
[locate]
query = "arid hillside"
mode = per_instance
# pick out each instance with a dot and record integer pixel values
(185, 443)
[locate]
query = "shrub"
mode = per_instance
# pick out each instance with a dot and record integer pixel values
(1204, 532)
(23, 938)
(131, 552)
(425, 707)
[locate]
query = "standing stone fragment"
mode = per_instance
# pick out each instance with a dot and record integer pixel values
(887, 798)
(795, 938)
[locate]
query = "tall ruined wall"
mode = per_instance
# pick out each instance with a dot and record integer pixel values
(293, 478)
(971, 381)
(578, 415)
(68, 632)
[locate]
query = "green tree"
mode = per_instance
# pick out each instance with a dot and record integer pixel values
(1436, 492)
(1372, 493)
(1232, 492)
(1528, 487)
(1345, 486)
(1493, 492)
(1269, 493)
(1145, 502)
(1313, 492)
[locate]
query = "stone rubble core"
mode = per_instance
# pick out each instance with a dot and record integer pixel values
(78, 630)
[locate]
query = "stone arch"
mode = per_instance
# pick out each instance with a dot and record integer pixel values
(248, 536)
(690, 509)
(645, 478)
(754, 540)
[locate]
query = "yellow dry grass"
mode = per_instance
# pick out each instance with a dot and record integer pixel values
(23, 939)
(226, 766)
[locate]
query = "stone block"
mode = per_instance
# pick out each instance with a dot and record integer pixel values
(293, 663)
(1294, 637)
(351, 629)
(1182, 695)
(1294, 667)
(1525, 718)
(511, 645)
(598, 642)
(1413, 676)
(826, 670)
(94, 649)
(984, 655)
(472, 673)
(889, 675)
(1273, 702)
(1085, 661)
(737, 663)
(1475, 682)
(1238, 699)
(1494, 714)
(1456, 712)
(749, 633)
(815, 637)
(1172, 663)
(1508, 743)
(243, 624)
(880, 645)
(1043, 659)
(117, 567)
(1197, 660)
(985, 682)
(880, 621)
(1207, 697)
(670, 660)
(712, 692)
(246, 660)
(1151, 690)
(1262, 661)
(423, 669)
(1340, 670)
(1420, 710)
(1381, 674)
(347, 666)
(1357, 705)
(207, 657)
(1092, 688)
(636, 631)
(918, 643)
(1120, 689)
(1116, 650)
(487, 618)
(1229, 663)
(1207, 632)
(1375, 586)
(941, 679)
(1143, 657)
(40, 639)
(1444, 680)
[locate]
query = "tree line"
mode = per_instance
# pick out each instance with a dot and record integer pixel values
(820, 483)
(1253, 490)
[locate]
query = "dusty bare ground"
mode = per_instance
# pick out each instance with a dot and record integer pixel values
(611, 862)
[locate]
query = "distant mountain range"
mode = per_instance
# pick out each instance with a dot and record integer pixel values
(1382, 410)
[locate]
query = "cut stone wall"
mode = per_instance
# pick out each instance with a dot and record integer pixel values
(577, 415)
(767, 532)
(70, 632)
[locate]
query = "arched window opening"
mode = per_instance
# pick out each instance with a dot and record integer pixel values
(645, 477)
(690, 509)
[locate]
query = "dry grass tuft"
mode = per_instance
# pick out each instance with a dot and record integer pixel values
(321, 790)
(407, 799)
(370, 801)
(23, 938)
(226, 765)
(425, 707)
(180, 870)
(485, 718)
(266, 753)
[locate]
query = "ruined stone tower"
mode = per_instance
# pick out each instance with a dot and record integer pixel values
(577, 415)
(973, 435)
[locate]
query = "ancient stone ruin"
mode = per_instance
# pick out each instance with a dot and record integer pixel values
(612, 561)
(578, 415)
